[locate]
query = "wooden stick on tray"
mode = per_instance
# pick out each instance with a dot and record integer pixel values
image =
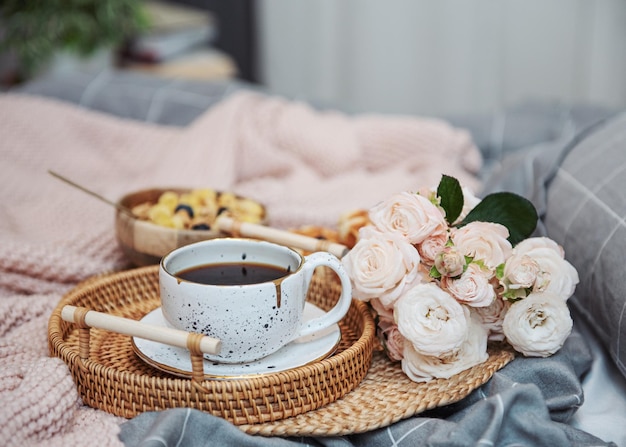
(135, 328)
(246, 229)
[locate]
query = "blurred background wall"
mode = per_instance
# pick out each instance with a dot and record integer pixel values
(442, 57)
(429, 57)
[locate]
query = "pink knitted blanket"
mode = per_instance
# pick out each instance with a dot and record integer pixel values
(306, 166)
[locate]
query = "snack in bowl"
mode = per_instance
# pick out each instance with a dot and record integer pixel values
(163, 219)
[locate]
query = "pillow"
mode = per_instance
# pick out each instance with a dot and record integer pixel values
(135, 95)
(584, 212)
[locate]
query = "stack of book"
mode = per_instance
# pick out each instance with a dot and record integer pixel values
(174, 31)
(178, 44)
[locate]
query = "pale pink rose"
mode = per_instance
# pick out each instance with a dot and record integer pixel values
(429, 193)
(483, 241)
(473, 287)
(450, 262)
(432, 245)
(543, 281)
(382, 311)
(409, 214)
(533, 243)
(431, 320)
(521, 272)
(423, 368)
(562, 277)
(556, 275)
(537, 325)
(392, 339)
(381, 266)
(492, 317)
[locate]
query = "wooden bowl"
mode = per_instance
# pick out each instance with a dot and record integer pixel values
(144, 242)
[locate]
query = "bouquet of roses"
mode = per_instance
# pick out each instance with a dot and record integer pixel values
(445, 272)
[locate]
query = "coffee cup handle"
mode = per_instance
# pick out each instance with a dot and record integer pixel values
(340, 309)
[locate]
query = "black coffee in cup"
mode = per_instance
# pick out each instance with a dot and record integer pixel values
(250, 294)
(233, 274)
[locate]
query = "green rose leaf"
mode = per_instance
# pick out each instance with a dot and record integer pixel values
(515, 212)
(434, 273)
(451, 195)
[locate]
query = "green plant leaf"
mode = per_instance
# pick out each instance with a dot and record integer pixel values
(506, 208)
(434, 273)
(451, 196)
(500, 271)
(34, 30)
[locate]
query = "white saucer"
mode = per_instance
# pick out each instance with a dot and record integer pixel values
(299, 352)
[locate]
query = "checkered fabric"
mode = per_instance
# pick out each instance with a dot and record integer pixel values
(586, 208)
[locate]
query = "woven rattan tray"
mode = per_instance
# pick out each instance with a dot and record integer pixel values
(329, 397)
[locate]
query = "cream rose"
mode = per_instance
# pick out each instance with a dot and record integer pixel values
(484, 241)
(521, 273)
(429, 192)
(556, 275)
(431, 320)
(381, 266)
(533, 243)
(422, 368)
(430, 247)
(473, 287)
(392, 339)
(409, 214)
(382, 311)
(492, 317)
(450, 262)
(537, 325)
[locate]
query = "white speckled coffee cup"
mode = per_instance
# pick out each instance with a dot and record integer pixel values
(251, 320)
